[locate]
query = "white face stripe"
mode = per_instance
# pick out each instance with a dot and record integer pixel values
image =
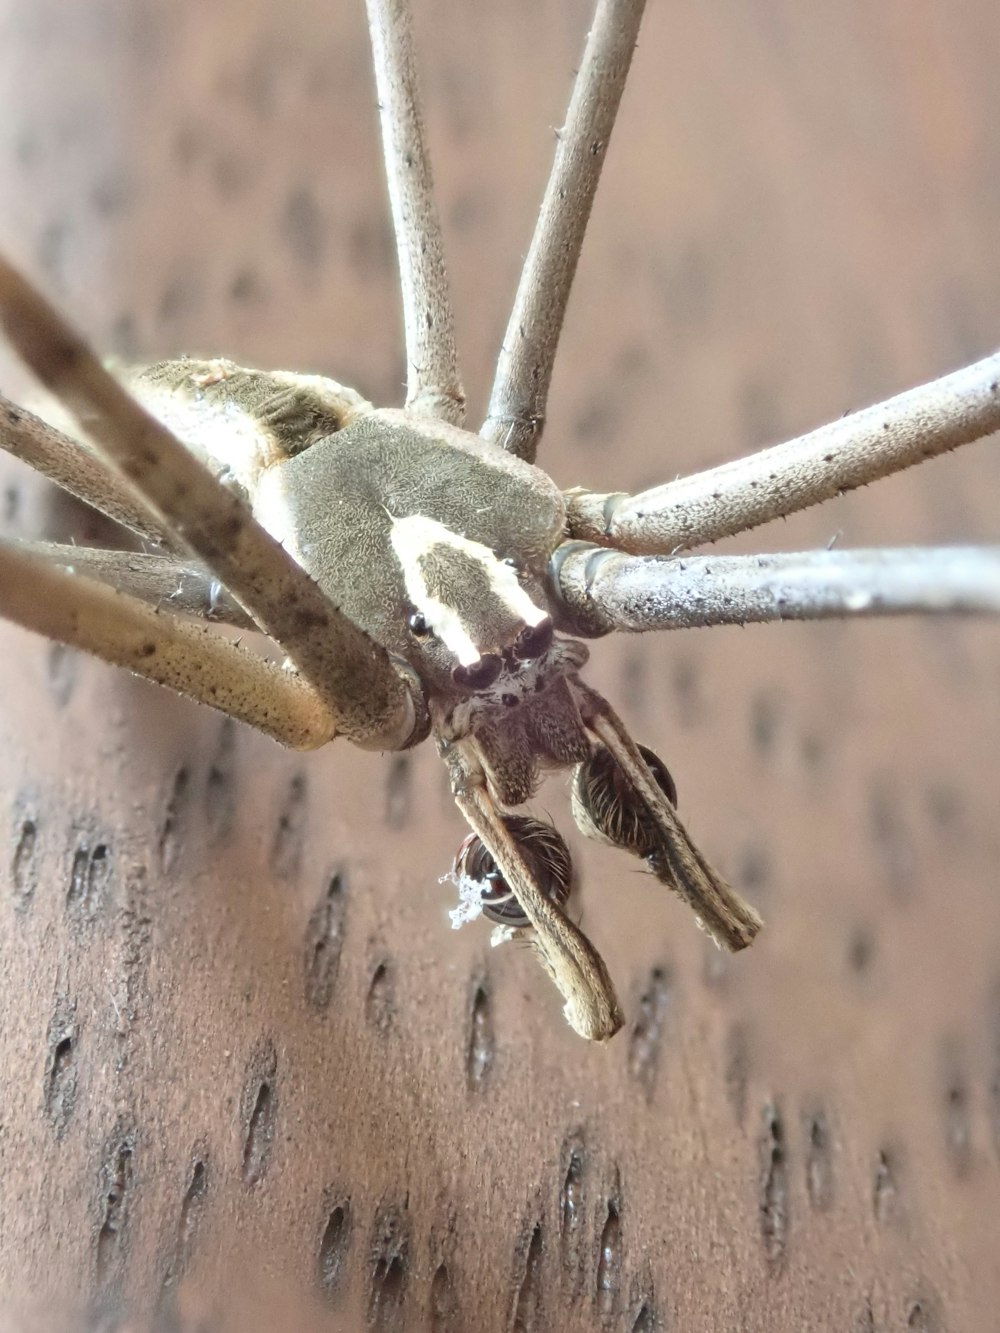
(414, 535)
(444, 622)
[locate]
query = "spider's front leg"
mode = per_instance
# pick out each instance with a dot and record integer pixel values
(773, 483)
(578, 970)
(602, 590)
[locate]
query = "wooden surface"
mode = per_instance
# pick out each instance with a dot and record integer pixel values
(251, 1078)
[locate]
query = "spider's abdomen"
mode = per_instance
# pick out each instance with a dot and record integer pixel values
(334, 506)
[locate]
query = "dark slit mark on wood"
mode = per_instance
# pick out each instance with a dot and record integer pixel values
(258, 1112)
(334, 1244)
(324, 941)
(773, 1206)
(481, 1047)
(528, 1314)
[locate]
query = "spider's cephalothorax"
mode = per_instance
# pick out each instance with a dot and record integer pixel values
(445, 563)
(423, 579)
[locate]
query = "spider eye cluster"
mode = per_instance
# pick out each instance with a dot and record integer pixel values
(480, 675)
(534, 641)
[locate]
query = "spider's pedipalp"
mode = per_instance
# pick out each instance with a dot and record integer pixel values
(516, 415)
(545, 852)
(665, 845)
(374, 704)
(773, 483)
(41, 596)
(433, 384)
(603, 590)
(578, 970)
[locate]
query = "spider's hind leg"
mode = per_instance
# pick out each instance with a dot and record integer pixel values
(520, 391)
(433, 384)
(39, 595)
(75, 468)
(161, 581)
(375, 703)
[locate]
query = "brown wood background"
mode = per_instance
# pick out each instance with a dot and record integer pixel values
(250, 1077)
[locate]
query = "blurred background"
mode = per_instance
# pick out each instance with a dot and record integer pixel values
(252, 1078)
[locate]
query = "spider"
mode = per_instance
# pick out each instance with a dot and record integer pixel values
(425, 581)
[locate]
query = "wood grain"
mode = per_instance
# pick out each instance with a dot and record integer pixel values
(251, 1078)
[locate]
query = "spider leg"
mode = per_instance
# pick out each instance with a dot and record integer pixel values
(374, 704)
(40, 596)
(603, 590)
(773, 483)
(75, 467)
(575, 966)
(730, 921)
(433, 384)
(516, 415)
(158, 580)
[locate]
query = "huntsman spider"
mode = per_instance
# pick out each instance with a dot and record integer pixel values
(423, 580)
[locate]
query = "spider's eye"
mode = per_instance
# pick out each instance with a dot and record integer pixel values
(417, 625)
(533, 641)
(480, 675)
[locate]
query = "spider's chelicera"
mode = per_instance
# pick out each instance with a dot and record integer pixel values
(427, 581)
